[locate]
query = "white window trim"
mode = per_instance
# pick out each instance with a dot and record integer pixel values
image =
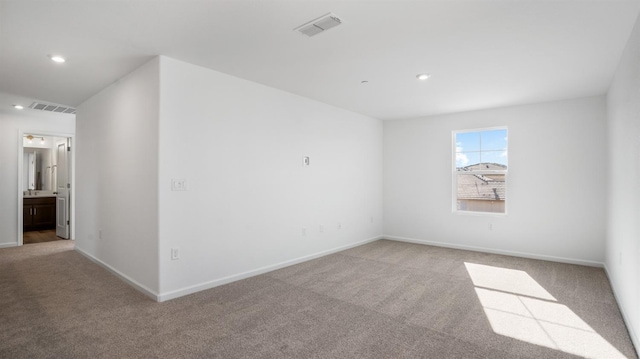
(454, 182)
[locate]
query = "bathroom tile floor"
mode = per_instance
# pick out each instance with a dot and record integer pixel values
(48, 235)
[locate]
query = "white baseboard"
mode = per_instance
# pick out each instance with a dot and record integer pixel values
(232, 278)
(148, 292)
(497, 251)
(8, 245)
(632, 333)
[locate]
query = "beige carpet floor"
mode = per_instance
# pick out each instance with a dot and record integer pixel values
(381, 300)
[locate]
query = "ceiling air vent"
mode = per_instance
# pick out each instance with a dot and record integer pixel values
(323, 23)
(52, 108)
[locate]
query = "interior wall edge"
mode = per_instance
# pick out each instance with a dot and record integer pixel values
(236, 277)
(627, 320)
(498, 251)
(133, 283)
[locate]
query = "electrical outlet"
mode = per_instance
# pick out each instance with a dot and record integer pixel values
(620, 258)
(178, 184)
(304, 231)
(490, 226)
(99, 233)
(175, 254)
(371, 219)
(339, 225)
(321, 228)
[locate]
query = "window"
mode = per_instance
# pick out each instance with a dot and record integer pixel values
(480, 170)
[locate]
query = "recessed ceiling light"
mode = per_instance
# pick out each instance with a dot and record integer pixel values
(364, 82)
(423, 77)
(18, 107)
(57, 58)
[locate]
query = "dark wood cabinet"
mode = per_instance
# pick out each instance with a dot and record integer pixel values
(39, 213)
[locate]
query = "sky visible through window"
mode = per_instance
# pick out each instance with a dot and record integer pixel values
(481, 147)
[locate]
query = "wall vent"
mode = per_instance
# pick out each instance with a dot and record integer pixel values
(323, 23)
(52, 108)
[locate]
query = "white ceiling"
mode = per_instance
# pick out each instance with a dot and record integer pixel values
(480, 54)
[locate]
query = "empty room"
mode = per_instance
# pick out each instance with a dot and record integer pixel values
(319, 179)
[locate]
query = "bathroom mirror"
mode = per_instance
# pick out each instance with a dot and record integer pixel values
(30, 165)
(37, 169)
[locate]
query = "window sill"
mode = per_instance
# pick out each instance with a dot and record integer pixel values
(481, 214)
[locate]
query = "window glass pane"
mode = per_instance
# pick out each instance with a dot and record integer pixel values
(494, 140)
(467, 141)
(494, 160)
(465, 159)
(481, 193)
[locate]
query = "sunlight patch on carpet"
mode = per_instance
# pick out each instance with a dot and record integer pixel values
(520, 308)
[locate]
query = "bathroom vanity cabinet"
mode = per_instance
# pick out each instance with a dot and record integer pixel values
(39, 213)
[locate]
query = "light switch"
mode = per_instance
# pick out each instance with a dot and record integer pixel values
(178, 184)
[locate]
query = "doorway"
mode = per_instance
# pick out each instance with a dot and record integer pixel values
(45, 171)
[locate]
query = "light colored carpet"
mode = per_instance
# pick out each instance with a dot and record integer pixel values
(381, 300)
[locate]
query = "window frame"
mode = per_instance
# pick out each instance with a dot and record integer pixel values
(454, 176)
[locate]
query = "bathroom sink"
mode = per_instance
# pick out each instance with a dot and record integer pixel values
(38, 194)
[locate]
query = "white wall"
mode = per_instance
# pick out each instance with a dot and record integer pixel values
(117, 177)
(12, 124)
(240, 147)
(555, 189)
(623, 215)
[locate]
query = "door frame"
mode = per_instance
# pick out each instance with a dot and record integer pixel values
(72, 178)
